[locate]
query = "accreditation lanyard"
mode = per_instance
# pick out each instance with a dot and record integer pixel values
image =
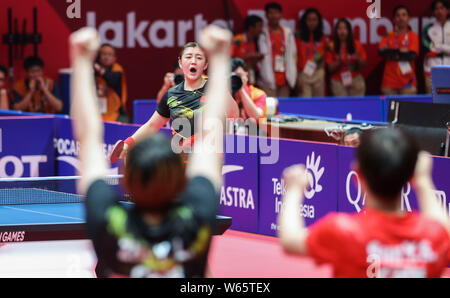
(405, 66)
(249, 45)
(348, 58)
(311, 46)
(397, 41)
(274, 45)
(346, 76)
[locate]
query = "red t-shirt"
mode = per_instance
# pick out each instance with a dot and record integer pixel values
(374, 242)
(311, 50)
(278, 43)
(393, 77)
(241, 47)
(349, 64)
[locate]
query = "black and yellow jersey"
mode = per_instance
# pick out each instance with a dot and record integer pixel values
(180, 103)
(127, 246)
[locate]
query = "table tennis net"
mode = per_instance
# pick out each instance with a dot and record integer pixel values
(58, 190)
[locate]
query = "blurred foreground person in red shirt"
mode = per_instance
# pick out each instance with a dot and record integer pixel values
(383, 240)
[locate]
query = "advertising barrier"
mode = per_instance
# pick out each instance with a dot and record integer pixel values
(352, 198)
(253, 185)
(367, 108)
(26, 147)
(320, 198)
(239, 196)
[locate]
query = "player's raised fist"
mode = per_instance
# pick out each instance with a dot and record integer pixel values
(424, 166)
(215, 40)
(295, 176)
(84, 43)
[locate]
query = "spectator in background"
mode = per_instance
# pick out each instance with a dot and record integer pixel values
(4, 99)
(278, 72)
(245, 45)
(352, 137)
(312, 47)
(111, 85)
(436, 40)
(400, 49)
(251, 100)
(37, 92)
(171, 79)
(345, 58)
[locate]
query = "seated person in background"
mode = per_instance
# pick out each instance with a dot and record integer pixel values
(383, 240)
(245, 45)
(436, 40)
(400, 48)
(345, 58)
(171, 79)
(37, 93)
(352, 137)
(251, 100)
(4, 99)
(111, 86)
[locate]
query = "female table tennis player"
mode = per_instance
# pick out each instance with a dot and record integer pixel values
(168, 232)
(179, 103)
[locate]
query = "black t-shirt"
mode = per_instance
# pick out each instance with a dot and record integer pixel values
(180, 103)
(113, 79)
(177, 247)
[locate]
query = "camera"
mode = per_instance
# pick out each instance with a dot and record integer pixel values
(178, 78)
(236, 84)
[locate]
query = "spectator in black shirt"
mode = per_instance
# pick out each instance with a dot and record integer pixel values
(168, 231)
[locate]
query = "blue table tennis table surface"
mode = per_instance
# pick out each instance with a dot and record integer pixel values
(55, 221)
(42, 214)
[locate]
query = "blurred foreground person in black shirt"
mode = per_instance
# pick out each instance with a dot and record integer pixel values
(167, 232)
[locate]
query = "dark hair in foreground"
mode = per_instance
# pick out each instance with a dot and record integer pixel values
(32, 61)
(154, 174)
(387, 159)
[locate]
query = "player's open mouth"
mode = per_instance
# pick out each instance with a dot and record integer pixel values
(193, 70)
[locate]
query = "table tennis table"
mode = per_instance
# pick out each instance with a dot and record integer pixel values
(63, 220)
